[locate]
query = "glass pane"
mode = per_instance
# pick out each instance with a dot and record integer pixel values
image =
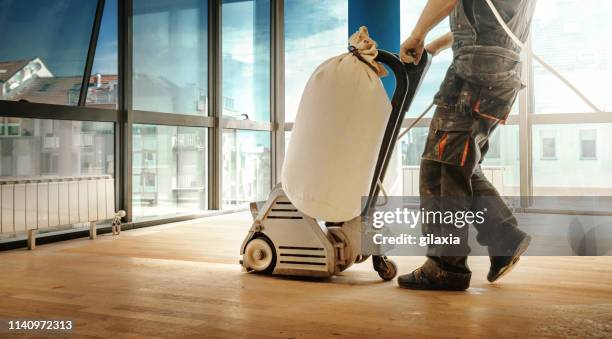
(572, 160)
(103, 86)
(171, 56)
(44, 48)
(501, 164)
(402, 177)
(246, 59)
(170, 170)
(315, 30)
(36, 147)
(410, 12)
(246, 166)
(586, 28)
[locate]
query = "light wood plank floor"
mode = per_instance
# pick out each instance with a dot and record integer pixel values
(183, 280)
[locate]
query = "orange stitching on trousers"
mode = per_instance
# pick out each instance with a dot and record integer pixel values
(442, 145)
(465, 151)
(476, 108)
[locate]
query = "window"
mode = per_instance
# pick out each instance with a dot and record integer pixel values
(410, 11)
(37, 147)
(501, 164)
(170, 56)
(315, 30)
(588, 144)
(567, 176)
(245, 40)
(246, 166)
(561, 23)
(549, 145)
(412, 146)
(103, 85)
(170, 166)
(44, 48)
(494, 151)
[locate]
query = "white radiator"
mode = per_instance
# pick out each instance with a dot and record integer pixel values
(495, 174)
(39, 203)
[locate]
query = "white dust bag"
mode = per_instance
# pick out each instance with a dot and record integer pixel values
(337, 134)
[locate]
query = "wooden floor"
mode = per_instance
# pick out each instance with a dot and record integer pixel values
(183, 280)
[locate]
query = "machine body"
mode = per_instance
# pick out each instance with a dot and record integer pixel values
(285, 241)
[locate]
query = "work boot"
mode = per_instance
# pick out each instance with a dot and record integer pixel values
(446, 281)
(501, 265)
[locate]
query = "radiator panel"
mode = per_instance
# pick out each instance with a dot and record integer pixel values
(92, 200)
(7, 208)
(110, 198)
(83, 203)
(39, 203)
(54, 204)
(64, 202)
(31, 209)
(19, 212)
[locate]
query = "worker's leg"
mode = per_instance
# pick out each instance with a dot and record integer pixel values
(500, 230)
(445, 186)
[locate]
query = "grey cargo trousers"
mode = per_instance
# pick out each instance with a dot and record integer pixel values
(451, 179)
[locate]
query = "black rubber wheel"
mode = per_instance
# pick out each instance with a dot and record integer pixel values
(259, 256)
(389, 271)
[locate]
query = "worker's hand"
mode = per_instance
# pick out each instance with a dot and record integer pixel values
(412, 49)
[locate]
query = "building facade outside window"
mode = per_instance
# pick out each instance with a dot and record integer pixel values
(315, 30)
(37, 147)
(169, 170)
(549, 145)
(245, 41)
(588, 144)
(170, 56)
(246, 167)
(38, 63)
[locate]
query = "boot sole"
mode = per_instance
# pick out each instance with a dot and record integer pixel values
(430, 288)
(515, 259)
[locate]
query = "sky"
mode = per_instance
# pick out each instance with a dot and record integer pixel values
(38, 28)
(106, 52)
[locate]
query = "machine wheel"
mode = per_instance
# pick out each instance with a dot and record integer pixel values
(259, 256)
(388, 270)
(361, 258)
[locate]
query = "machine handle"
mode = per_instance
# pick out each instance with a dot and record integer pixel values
(408, 79)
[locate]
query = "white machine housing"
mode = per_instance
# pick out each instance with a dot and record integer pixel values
(303, 246)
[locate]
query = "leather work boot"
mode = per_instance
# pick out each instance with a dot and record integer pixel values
(418, 280)
(501, 265)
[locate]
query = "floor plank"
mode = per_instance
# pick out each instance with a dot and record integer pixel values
(183, 280)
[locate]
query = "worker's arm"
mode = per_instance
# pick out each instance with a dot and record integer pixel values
(434, 12)
(440, 44)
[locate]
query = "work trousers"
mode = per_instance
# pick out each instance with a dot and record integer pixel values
(451, 179)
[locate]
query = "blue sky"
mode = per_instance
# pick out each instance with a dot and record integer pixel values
(58, 32)
(106, 53)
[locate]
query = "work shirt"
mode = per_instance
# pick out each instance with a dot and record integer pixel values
(485, 75)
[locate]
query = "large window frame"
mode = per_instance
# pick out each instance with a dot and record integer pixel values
(526, 118)
(124, 117)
